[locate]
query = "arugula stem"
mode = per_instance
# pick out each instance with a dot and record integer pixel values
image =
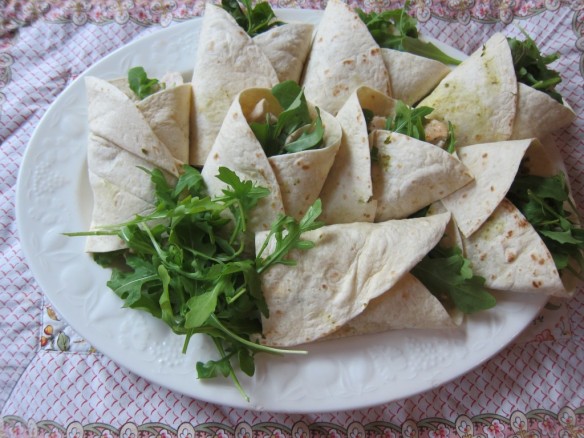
(232, 375)
(214, 322)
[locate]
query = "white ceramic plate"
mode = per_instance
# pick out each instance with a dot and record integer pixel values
(54, 197)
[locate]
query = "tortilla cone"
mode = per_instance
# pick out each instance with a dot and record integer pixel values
(343, 57)
(287, 48)
(407, 305)
(121, 141)
(538, 114)
(301, 175)
(494, 166)
(350, 265)
(228, 61)
(507, 251)
(237, 148)
(410, 174)
(347, 193)
(411, 76)
(479, 96)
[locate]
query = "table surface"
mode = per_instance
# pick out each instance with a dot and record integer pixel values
(53, 383)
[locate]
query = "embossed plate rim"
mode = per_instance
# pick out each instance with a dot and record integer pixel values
(336, 375)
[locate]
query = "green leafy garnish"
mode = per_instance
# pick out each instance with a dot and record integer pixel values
(253, 19)
(542, 201)
(395, 29)
(187, 265)
(295, 115)
(531, 67)
(449, 277)
(451, 141)
(409, 121)
(141, 84)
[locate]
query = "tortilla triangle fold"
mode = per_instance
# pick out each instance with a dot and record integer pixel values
(479, 96)
(411, 76)
(228, 61)
(343, 57)
(350, 265)
(347, 195)
(287, 48)
(410, 174)
(407, 305)
(473, 204)
(538, 115)
(125, 136)
(507, 251)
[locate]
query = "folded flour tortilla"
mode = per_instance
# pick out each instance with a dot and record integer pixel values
(538, 115)
(227, 62)
(294, 179)
(412, 77)
(347, 195)
(343, 57)
(502, 245)
(507, 251)
(410, 174)
(126, 134)
(287, 48)
(479, 96)
(407, 305)
(494, 166)
(332, 283)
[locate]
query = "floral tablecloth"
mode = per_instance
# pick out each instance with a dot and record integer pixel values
(54, 384)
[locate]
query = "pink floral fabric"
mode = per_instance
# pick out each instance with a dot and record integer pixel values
(53, 384)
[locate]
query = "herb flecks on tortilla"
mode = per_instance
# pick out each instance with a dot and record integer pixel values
(294, 130)
(449, 277)
(395, 29)
(253, 19)
(542, 201)
(531, 67)
(141, 84)
(187, 265)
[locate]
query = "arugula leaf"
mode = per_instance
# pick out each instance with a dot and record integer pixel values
(409, 121)
(286, 233)
(253, 19)
(448, 275)
(531, 67)
(395, 29)
(542, 201)
(295, 115)
(140, 84)
(187, 265)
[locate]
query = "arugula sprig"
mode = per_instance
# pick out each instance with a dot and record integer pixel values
(141, 84)
(409, 121)
(253, 19)
(396, 29)
(295, 115)
(542, 201)
(449, 277)
(531, 67)
(412, 122)
(186, 264)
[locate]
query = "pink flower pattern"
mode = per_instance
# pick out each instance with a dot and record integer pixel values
(495, 430)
